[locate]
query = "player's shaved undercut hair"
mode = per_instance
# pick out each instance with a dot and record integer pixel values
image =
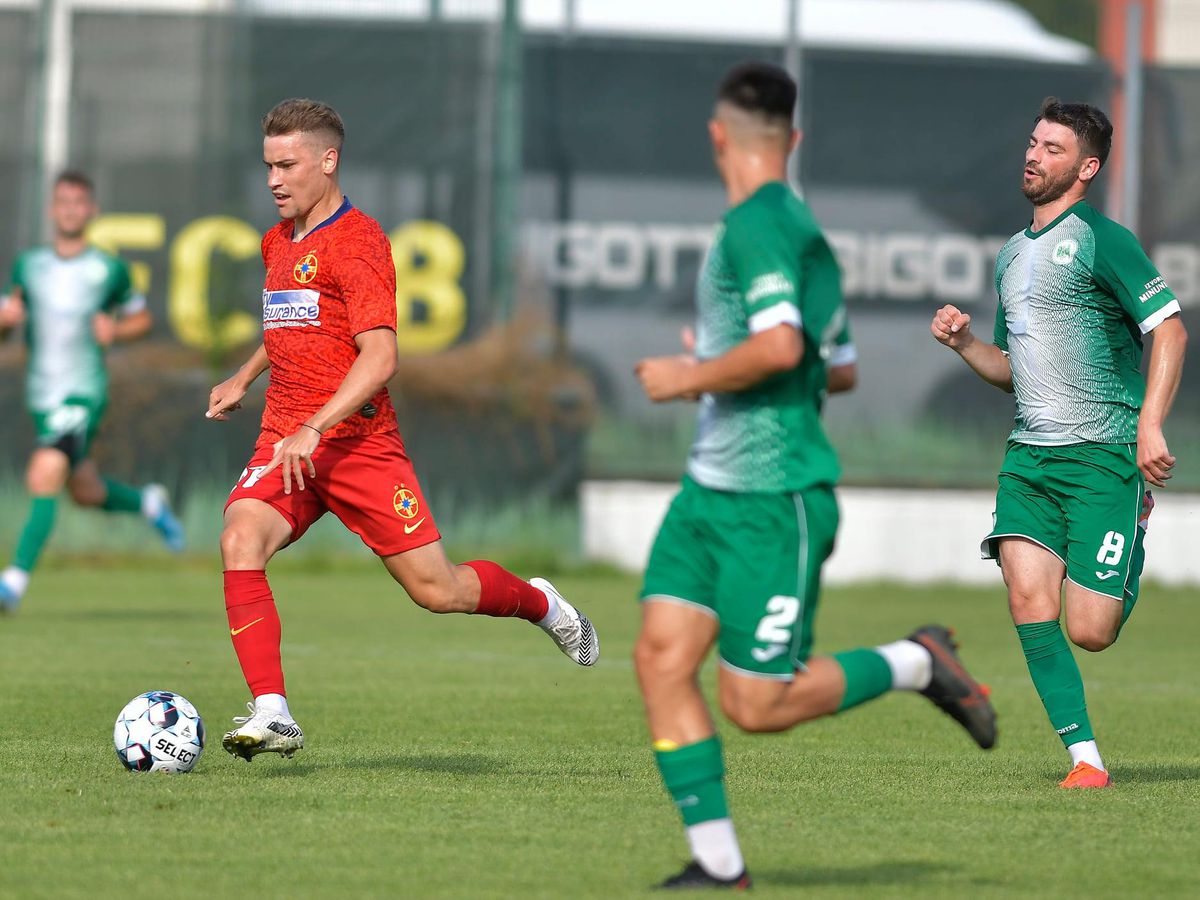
(308, 116)
(75, 178)
(1090, 124)
(764, 91)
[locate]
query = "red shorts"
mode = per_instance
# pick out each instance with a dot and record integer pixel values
(368, 482)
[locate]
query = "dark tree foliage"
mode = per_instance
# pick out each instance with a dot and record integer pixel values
(1078, 19)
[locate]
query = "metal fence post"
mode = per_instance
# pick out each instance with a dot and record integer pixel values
(53, 102)
(506, 181)
(1131, 141)
(793, 61)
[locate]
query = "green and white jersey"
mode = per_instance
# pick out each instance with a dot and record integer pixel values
(769, 265)
(61, 297)
(1075, 300)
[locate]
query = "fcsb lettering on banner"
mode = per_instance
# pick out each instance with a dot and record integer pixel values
(431, 307)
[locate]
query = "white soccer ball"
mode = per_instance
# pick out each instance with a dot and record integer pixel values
(158, 731)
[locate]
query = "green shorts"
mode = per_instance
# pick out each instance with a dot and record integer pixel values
(753, 562)
(69, 427)
(1083, 503)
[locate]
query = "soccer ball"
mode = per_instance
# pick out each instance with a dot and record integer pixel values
(158, 731)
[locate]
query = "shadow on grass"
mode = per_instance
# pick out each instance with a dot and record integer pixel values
(1150, 774)
(447, 764)
(877, 874)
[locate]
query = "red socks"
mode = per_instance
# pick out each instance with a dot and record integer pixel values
(504, 595)
(255, 629)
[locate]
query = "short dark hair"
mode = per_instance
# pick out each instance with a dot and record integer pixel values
(77, 179)
(299, 114)
(760, 88)
(1090, 124)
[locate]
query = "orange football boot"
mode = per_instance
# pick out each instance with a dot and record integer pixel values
(1086, 776)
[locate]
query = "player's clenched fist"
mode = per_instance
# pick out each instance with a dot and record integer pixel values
(666, 377)
(1153, 457)
(104, 329)
(952, 327)
(12, 311)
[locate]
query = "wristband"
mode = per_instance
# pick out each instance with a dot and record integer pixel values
(306, 425)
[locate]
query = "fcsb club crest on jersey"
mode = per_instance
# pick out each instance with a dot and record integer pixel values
(305, 270)
(405, 503)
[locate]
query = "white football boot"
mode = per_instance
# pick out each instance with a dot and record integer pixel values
(263, 731)
(570, 629)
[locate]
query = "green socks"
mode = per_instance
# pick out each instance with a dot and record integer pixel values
(868, 675)
(36, 532)
(1057, 679)
(695, 778)
(121, 498)
(42, 510)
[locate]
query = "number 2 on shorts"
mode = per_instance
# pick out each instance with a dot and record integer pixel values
(776, 626)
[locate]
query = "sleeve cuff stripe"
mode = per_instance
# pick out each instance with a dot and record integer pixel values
(780, 314)
(1155, 319)
(843, 355)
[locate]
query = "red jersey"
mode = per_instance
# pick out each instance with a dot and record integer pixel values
(320, 292)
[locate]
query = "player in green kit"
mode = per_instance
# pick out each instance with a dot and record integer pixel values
(73, 300)
(1077, 293)
(737, 561)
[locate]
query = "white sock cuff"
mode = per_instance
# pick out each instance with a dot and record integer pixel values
(16, 580)
(152, 503)
(551, 607)
(1088, 752)
(714, 845)
(911, 665)
(276, 703)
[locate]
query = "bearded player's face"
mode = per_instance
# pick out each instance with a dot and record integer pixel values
(299, 166)
(1053, 163)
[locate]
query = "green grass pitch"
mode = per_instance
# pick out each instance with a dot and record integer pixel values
(465, 757)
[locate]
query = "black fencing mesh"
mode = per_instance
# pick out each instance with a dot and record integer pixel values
(911, 163)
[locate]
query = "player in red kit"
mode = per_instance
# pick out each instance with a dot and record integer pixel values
(329, 439)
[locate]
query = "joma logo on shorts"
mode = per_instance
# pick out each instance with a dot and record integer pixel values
(766, 654)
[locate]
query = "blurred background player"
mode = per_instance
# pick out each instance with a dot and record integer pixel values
(74, 301)
(738, 559)
(329, 438)
(1077, 293)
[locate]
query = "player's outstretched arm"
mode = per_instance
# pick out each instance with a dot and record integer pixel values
(109, 329)
(227, 396)
(952, 327)
(755, 359)
(1162, 383)
(134, 325)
